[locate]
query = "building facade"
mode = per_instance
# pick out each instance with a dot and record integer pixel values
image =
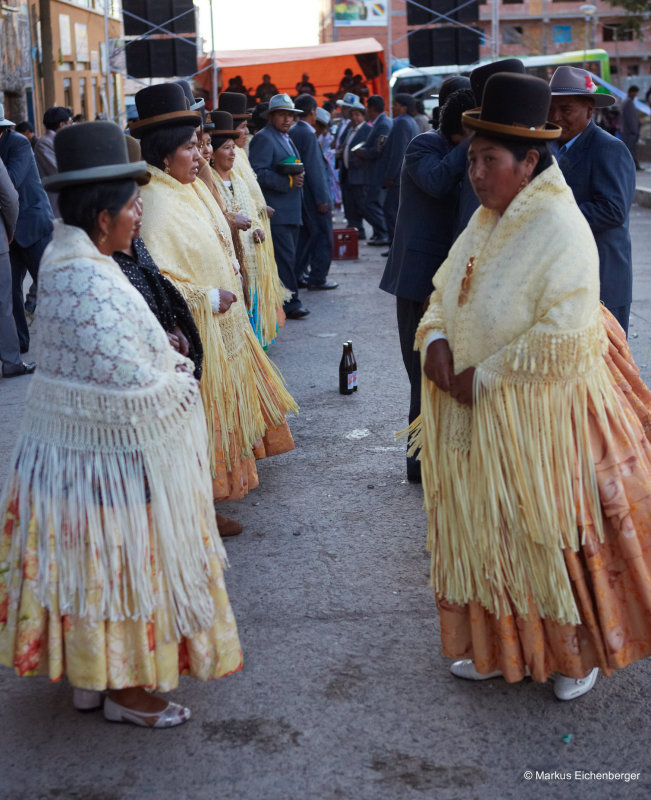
(15, 62)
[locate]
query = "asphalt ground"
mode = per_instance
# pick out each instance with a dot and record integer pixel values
(344, 691)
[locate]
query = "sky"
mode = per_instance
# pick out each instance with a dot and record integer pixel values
(258, 24)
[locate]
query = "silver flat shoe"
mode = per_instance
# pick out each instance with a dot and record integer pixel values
(570, 688)
(171, 716)
(465, 668)
(87, 699)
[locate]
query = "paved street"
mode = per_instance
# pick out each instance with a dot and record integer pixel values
(344, 692)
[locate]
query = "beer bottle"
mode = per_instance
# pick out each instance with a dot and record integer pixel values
(353, 365)
(345, 371)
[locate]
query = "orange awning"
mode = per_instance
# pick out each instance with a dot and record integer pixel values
(324, 63)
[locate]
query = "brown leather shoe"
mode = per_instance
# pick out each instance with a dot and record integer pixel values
(228, 527)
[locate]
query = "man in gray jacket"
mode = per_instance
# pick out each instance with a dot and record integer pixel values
(54, 119)
(12, 364)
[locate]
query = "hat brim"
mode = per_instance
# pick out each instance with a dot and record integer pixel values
(599, 99)
(241, 117)
(142, 126)
(106, 172)
(6, 123)
(232, 134)
(265, 114)
(198, 105)
(471, 119)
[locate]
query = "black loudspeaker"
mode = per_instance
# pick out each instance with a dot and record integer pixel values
(467, 46)
(160, 58)
(441, 46)
(444, 46)
(420, 49)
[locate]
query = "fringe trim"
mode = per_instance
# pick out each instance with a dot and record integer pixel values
(501, 512)
(246, 393)
(269, 291)
(89, 489)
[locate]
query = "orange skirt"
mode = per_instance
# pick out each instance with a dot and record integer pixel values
(611, 580)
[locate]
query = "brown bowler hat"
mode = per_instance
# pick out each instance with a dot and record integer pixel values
(161, 106)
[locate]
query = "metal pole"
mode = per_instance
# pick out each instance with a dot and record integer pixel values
(213, 56)
(107, 63)
(389, 48)
(495, 29)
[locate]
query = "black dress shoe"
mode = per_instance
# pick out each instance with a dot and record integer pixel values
(302, 281)
(14, 370)
(318, 287)
(297, 313)
(386, 253)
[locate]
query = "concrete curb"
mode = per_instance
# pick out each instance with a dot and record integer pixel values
(643, 197)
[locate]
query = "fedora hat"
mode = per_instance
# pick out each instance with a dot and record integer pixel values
(235, 103)
(573, 81)
(91, 152)
(5, 123)
(161, 106)
(280, 102)
(480, 75)
(514, 107)
(323, 116)
(351, 100)
(194, 103)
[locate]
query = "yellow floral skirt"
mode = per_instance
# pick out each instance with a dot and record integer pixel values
(611, 580)
(106, 654)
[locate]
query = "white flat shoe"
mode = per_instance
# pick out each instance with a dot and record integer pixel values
(87, 699)
(465, 668)
(172, 715)
(570, 688)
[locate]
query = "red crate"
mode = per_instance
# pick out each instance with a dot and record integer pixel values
(345, 244)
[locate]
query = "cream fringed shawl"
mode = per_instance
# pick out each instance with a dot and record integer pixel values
(188, 237)
(111, 467)
(509, 482)
(265, 286)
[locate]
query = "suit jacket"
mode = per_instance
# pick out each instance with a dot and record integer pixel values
(316, 189)
(403, 131)
(267, 148)
(601, 173)
(8, 208)
(46, 161)
(355, 174)
(373, 147)
(430, 184)
(35, 218)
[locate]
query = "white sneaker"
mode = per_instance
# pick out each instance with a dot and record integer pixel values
(570, 688)
(172, 715)
(465, 668)
(87, 699)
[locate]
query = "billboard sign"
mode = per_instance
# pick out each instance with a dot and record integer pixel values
(360, 13)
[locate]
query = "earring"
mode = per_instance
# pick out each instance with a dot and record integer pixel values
(102, 238)
(167, 169)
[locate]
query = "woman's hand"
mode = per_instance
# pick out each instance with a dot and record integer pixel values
(270, 211)
(226, 300)
(174, 341)
(461, 386)
(258, 236)
(439, 364)
(242, 222)
(183, 344)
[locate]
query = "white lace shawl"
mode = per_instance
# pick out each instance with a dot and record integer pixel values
(112, 460)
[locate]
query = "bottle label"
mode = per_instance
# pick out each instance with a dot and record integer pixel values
(354, 378)
(350, 380)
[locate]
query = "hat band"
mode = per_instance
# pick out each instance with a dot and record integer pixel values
(572, 90)
(232, 133)
(171, 115)
(516, 130)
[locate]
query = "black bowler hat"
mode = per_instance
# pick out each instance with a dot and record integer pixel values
(92, 152)
(514, 107)
(450, 85)
(480, 75)
(224, 128)
(235, 104)
(161, 106)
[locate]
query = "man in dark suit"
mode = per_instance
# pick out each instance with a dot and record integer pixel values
(352, 175)
(370, 156)
(403, 131)
(35, 220)
(315, 237)
(430, 183)
(268, 148)
(601, 173)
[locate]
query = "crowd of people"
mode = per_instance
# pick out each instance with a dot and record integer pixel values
(175, 258)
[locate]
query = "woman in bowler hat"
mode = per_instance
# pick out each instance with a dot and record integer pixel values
(184, 229)
(535, 456)
(114, 565)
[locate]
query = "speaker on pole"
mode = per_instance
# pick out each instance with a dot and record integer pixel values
(162, 55)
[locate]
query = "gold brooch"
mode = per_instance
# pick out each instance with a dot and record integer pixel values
(466, 281)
